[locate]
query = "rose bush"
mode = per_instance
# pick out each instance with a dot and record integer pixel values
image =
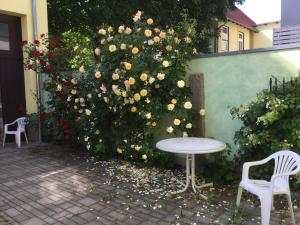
(117, 104)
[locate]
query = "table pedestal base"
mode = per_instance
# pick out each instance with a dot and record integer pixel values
(190, 177)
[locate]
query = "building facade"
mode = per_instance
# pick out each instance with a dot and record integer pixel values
(240, 33)
(18, 86)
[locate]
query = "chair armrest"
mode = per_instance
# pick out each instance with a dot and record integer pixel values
(8, 124)
(247, 165)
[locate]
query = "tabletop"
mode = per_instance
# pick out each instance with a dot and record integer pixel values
(191, 145)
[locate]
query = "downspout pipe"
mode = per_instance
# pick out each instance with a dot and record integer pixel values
(38, 91)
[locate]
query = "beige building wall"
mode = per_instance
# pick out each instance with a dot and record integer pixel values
(264, 38)
(23, 9)
(234, 29)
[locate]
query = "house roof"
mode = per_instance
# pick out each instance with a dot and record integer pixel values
(237, 16)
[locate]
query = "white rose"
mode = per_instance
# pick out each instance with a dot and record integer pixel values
(97, 51)
(81, 69)
(121, 29)
(180, 83)
(188, 105)
(81, 100)
(170, 129)
(188, 126)
(185, 134)
(86, 139)
(89, 95)
(151, 80)
(144, 157)
(148, 115)
(102, 31)
(171, 107)
(88, 112)
(69, 98)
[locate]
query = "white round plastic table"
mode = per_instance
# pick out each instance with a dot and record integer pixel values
(191, 146)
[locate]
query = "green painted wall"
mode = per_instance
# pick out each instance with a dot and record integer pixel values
(233, 80)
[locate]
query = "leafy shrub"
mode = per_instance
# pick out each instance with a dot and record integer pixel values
(270, 123)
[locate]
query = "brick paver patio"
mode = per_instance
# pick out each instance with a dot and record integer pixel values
(46, 184)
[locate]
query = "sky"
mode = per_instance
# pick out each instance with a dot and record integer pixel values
(261, 11)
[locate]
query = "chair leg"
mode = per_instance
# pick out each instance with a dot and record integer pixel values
(291, 208)
(26, 137)
(239, 196)
(4, 140)
(18, 139)
(266, 205)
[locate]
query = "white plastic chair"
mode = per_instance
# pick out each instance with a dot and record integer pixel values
(286, 163)
(21, 123)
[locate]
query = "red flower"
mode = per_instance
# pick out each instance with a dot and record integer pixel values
(42, 116)
(36, 42)
(29, 66)
(36, 54)
(68, 83)
(53, 56)
(57, 38)
(68, 137)
(43, 62)
(52, 43)
(66, 127)
(21, 109)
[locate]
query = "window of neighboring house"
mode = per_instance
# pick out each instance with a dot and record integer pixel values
(4, 37)
(224, 37)
(241, 40)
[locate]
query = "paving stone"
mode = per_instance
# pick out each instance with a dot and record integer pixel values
(47, 184)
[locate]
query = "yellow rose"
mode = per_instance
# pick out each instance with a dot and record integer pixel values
(148, 33)
(162, 34)
(128, 30)
(138, 30)
(73, 92)
(110, 29)
(143, 76)
(156, 39)
(177, 122)
(160, 76)
(123, 46)
(194, 51)
(135, 50)
(174, 101)
(169, 48)
(137, 97)
(165, 63)
(143, 92)
(188, 126)
(150, 42)
(112, 48)
(171, 107)
(98, 74)
(133, 109)
(131, 80)
(156, 86)
(153, 124)
(202, 112)
(119, 150)
(149, 21)
(171, 31)
(185, 134)
(180, 83)
(188, 105)
(177, 40)
(59, 87)
(156, 30)
(74, 81)
(127, 66)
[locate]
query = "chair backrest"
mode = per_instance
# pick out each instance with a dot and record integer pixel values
(286, 162)
(22, 122)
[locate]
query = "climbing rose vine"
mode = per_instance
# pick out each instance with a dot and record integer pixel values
(135, 91)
